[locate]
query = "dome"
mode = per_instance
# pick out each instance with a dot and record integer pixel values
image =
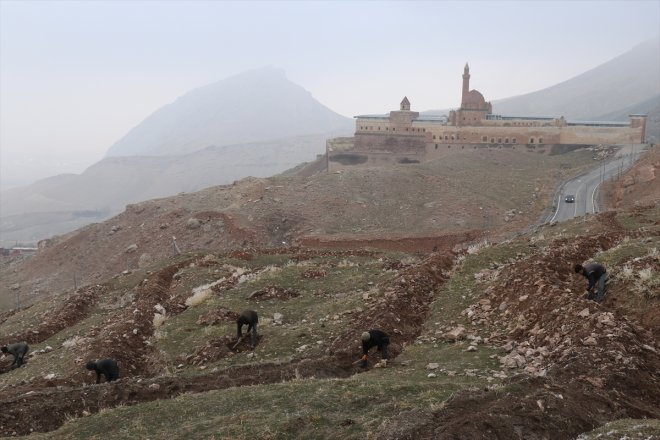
(474, 98)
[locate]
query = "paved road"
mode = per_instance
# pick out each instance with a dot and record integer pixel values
(585, 187)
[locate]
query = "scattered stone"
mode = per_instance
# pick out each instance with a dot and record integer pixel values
(456, 334)
(193, 223)
(648, 348)
(541, 405)
(590, 341)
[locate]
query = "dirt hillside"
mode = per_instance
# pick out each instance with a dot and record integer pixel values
(421, 207)
(490, 339)
(640, 185)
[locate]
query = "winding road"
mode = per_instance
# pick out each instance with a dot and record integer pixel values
(585, 187)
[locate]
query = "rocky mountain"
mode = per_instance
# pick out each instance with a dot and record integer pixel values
(254, 124)
(624, 82)
(253, 106)
(650, 107)
(116, 181)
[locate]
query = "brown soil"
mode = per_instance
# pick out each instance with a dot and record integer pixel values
(574, 383)
(73, 308)
(216, 316)
(314, 273)
(575, 386)
(406, 301)
(273, 292)
(639, 186)
(409, 209)
(580, 369)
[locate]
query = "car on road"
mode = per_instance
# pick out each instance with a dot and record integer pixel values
(570, 198)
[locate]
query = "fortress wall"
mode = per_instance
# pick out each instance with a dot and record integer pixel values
(495, 134)
(446, 149)
(401, 143)
(340, 160)
(601, 135)
(579, 134)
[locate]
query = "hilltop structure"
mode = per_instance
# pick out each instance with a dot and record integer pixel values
(405, 136)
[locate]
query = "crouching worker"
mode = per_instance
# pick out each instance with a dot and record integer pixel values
(374, 338)
(596, 275)
(106, 367)
(249, 318)
(18, 350)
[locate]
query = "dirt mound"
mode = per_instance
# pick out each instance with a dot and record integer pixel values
(273, 292)
(444, 242)
(314, 273)
(46, 410)
(213, 350)
(71, 309)
(124, 335)
(217, 315)
(400, 309)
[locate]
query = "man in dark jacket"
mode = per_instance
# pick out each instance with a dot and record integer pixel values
(106, 367)
(374, 338)
(18, 350)
(596, 274)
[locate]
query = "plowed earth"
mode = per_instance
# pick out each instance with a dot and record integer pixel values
(585, 363)
(44, 406)
(578, 369)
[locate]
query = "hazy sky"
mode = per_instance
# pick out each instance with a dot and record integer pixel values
(75, 76)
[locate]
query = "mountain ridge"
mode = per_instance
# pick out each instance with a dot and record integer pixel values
(253, 106)
(624, 81)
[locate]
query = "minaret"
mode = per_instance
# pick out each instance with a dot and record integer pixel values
(466, 83)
